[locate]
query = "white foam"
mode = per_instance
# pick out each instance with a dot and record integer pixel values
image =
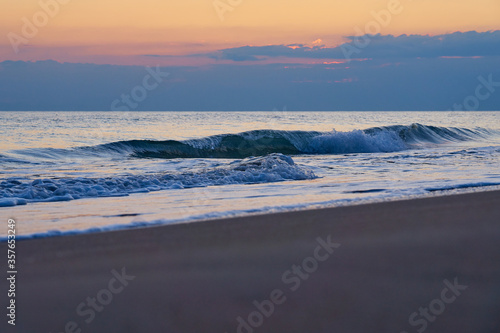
(264, 169)
(356, 142)
(9, 202)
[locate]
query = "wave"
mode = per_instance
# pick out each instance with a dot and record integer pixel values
(264, 169)
(263, 142)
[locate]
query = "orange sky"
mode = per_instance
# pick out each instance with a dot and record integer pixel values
(122, 31)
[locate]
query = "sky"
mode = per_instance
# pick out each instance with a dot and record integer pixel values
(323, 49)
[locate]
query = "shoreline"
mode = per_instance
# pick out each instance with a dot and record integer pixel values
(393, 257)
(234, 215)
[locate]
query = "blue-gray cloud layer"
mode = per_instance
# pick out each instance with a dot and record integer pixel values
(458, 44)
(410, 73)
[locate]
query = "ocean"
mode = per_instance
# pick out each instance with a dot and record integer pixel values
(72, 172)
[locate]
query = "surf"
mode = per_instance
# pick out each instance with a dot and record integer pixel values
(263, 142)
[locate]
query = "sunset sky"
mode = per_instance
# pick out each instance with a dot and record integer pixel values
(124, 31)
(250, 54)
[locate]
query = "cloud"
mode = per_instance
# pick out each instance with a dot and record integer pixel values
(255, 53)
(317, 42)
(407, 72)
(409, 84)
(458, 44)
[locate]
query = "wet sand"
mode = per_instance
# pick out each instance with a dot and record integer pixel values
(365, 268)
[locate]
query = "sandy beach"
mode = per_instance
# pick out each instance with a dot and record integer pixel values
(430, 264)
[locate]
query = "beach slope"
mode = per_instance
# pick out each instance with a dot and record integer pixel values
(430, 264)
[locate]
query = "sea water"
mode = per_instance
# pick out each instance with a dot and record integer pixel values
(68, 172)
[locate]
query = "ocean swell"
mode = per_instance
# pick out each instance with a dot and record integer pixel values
(263, 142)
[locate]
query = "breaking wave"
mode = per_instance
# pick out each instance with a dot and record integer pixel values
(263, 142)
(264, 169)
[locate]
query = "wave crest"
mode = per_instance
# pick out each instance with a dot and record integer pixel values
(263, 142)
